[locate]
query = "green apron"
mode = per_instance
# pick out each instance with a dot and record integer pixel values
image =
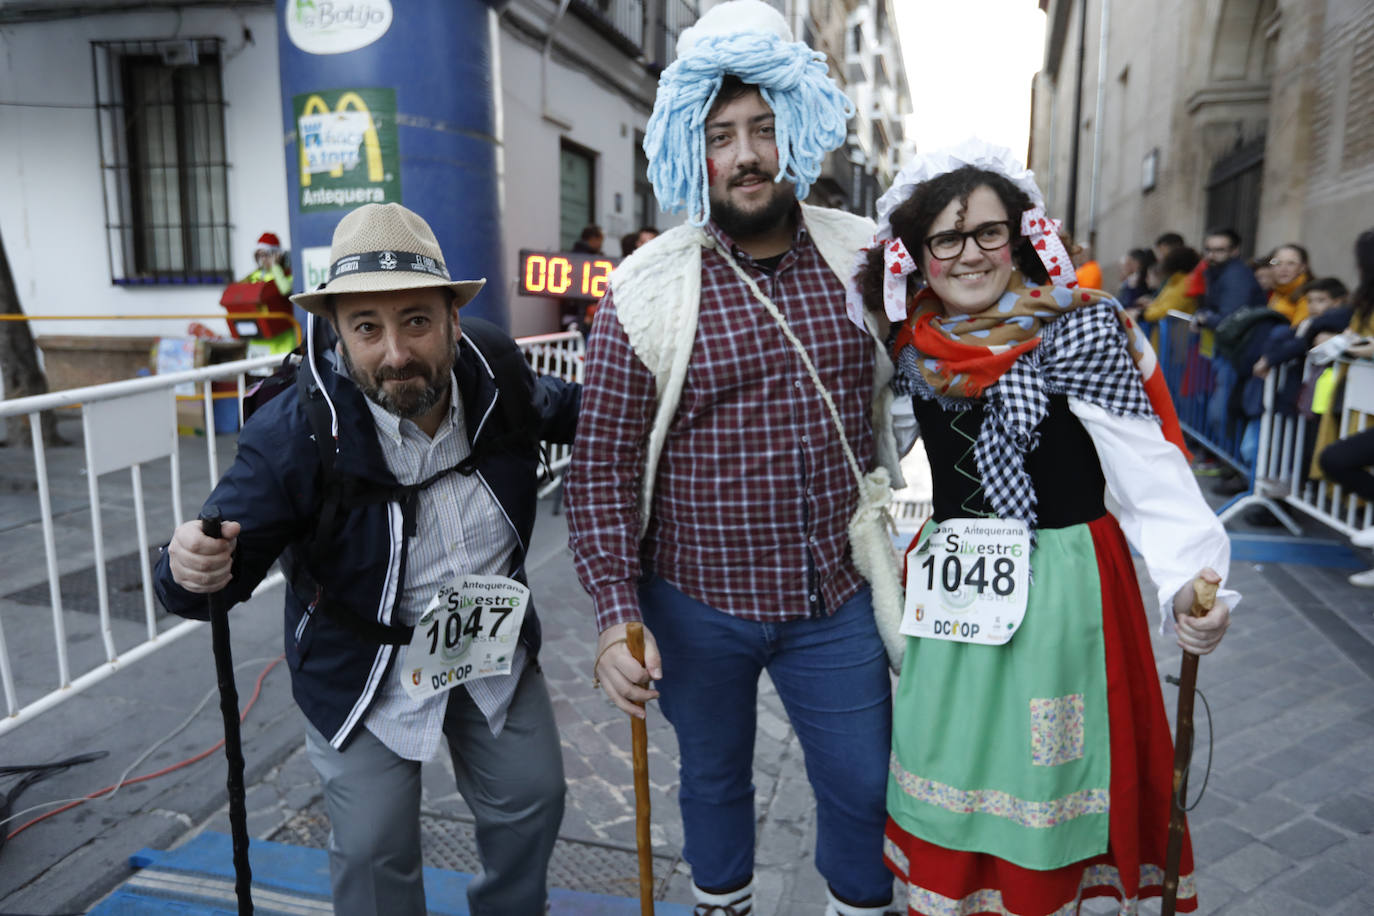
(1005, 750)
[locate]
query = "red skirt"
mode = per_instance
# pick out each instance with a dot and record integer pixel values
(948, 882)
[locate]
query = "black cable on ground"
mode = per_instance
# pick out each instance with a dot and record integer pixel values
(34, 773)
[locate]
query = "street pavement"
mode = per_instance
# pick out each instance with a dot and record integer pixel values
(1286, 824)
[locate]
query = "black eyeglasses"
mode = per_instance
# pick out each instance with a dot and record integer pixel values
(945, 246)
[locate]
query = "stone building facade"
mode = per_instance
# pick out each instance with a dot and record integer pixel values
(1258, 114)
(860, 39)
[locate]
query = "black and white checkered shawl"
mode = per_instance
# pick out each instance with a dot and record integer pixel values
(1084, 355)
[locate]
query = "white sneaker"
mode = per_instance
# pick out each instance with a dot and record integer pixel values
(735, 903)
(1363, 538)
(837, 907)
(1363, 579)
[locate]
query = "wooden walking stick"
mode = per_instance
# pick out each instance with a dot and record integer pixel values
(1204, 598)
(639, 746)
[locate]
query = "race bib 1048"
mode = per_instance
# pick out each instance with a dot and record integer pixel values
(467, 632)
(967, 581)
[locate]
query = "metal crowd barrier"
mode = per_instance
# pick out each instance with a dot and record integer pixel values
(126, 425)
(1281, 476)
(564, 355)
(909, 514)
(1186, 358)
(1279, 472)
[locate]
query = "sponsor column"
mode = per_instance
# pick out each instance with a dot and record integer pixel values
(393, 102)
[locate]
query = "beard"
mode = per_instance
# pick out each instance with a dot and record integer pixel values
(408, 402)
(739, 223)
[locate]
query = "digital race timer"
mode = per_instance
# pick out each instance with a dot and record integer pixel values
(564, 274)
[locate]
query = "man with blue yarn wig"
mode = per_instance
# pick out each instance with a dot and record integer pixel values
(732, 415)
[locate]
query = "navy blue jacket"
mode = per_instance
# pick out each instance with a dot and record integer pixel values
(273, 489)
(1230, 286)
(1284, 346)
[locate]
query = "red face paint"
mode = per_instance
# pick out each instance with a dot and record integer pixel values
(711, 170)
(936, 268)
(1003, 254)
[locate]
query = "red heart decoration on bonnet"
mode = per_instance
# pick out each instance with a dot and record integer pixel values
(1054, 271)
(896, 269)
(1040, 245)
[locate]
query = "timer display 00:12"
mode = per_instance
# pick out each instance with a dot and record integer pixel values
(564, 274)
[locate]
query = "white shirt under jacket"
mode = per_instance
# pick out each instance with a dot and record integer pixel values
(460, 529)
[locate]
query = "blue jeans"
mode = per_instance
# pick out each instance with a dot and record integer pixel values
(1218, 405)
(831, 674)
(1249, 443)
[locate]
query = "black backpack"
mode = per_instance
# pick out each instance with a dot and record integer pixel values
(341, 492)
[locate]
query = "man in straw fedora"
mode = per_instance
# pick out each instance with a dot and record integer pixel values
(736, 417)
(399, 465)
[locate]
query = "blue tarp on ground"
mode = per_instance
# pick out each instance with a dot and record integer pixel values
(198, 879)
(1305, 551)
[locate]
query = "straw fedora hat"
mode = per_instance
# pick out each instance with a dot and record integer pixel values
(380, 248)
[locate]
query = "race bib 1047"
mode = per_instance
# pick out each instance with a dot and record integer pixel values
(967, 581)
(467, 632)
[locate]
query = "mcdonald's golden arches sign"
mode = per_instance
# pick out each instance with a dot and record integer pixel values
(348, 156)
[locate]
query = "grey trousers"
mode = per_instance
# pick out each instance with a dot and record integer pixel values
(513, 784)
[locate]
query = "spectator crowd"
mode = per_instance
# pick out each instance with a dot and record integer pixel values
(1271, 314)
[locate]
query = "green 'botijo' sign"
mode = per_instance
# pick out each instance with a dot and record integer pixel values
(348, 151)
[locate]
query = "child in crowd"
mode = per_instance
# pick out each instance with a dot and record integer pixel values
(1285, 350)
(1327, 316)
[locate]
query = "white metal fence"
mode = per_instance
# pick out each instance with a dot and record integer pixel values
(1282, 464)
(564, 355)
(127, 426)
(1279, 470)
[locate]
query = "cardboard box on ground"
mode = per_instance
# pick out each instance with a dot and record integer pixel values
(176, 354)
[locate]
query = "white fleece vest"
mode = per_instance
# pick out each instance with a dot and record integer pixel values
(657, 294)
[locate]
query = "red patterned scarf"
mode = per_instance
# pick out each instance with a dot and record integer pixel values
(962, 355)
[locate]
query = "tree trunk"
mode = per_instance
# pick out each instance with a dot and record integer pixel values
(19, 362)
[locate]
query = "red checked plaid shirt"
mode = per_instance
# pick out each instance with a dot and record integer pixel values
(753, 495)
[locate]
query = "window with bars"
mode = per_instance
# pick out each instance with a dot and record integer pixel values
(160, 109)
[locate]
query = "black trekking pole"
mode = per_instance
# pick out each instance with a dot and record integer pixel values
(210, 521)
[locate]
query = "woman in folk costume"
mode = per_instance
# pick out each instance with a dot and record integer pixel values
(1032, 763)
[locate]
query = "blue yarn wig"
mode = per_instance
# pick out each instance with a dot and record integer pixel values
(809, 113)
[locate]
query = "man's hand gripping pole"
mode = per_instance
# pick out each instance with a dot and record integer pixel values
(639, 744)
